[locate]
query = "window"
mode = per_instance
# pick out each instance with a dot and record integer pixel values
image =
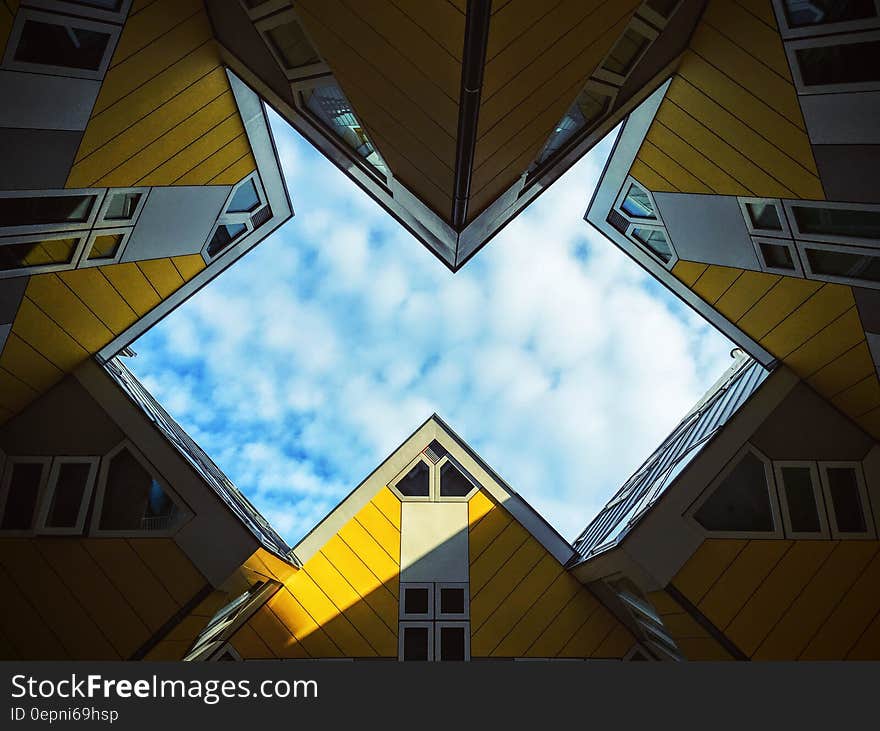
(586, 111)
(23, 482)
(416, 601)
(741, 500)
(224, 235)
(18, 211)
(801, 13)
(836, 63)
(855, 265)
(291, 45)
(837, 222)
(453, 483)
(626, 52)
(452, 641)
(245, 199)
(654, 239)
(778, 256)
(71, 480)
(105, 246)
(803, 512)
(130, 498)
(452, 601)
(245, 212)
(847, 499)
(635, 215)
(764, 217)
(122, 206)
(416, 482)
(416, 641)
(28, 254)
(638, 204)
(434, 622)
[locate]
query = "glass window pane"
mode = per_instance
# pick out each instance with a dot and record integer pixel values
(105, 247)
(37, 253)
(292, 46)
(764, 216)
(741, 502)
(777, 256)
(801, 13)
(587, 109)
(453, 483)
(849, 63)
(122, 206)
(416, 600)
(133, 500)
(848, 511)
(655, 240)
(60, 45)
(844, 264)
(225, 235)
(415, 643)
(36, 211)
(626, 52)
(68, 495)
(801, 499)
(838, 221)
(416, 483)
(245, 199)
(451, 600)
(637, 203)
(452, 644)
(24, 488)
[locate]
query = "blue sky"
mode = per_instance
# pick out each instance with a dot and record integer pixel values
(553, 354)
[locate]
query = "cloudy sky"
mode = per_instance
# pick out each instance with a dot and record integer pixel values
(554, 355)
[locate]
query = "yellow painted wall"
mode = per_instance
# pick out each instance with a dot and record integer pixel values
(344, 601)
(89, 598)
(524, 603)
(692, 639)
(787, 600)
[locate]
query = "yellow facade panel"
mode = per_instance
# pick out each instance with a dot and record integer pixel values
(483, 533)
(496, 554)
(715, 281)
(298, 621)
(92, 287)
(218, 161)
(275, 635)
(749, 33)
(867, 647)
(688, 271)
(250, 645)
(389, 505)
(870, 422)
(702, 649)
(150, 25)
(45, 335)
(189, 265)
(651, 179)
(236, 171)
(162, 276)
(670, 169)
(58, 301)
(381, 529)
(663, 603)
(590, 636)
(828, 344)
(845, 371)
(859, 398)
(15, 394)
(376, 557)
(22, 624)
(761, 9)
(479, 507)
(705, 566)
(781, 300)
(824, 306)
(564, 626)
(175, 570)
(618, 642)
(748, 288)
(681, 625)
(27, 365)
(441, 19)
(132, 285)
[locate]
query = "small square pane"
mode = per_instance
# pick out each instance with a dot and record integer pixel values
(764, 216)
(416, 601)
(105, 247)
(122, 206)
(777, 256)
(452, 643)
(415, 643)
(452, 600)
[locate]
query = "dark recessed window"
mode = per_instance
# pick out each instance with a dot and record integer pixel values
(838, 221)
(637, 203)
(37, 253)
(245, 200)
(21, 500)
(587, 109)
(452, 642)
(654, 240)
(800, 497)
(848, 63)
(844, 264)
(68, 495)
(849, 512)
(776, 256)
(662, 7)
(416, 483)
(451, 600)
(223, 236)
(50, 44)
(122, 206)
(741, 502)
(764, 216)
(133, 500)
(453, 483)
(292, 46)
(415, 643)
(625, 53)
(416, 600)
(105, 247)
(41, 210)
(102, 4)
(819, 12)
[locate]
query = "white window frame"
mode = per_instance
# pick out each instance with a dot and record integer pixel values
(438, 631)
(283, 18)
(792, 47)
(643, 29)
(753, 230)
(392, 485)
(44, 228)
(438, 482)
(798, 270)
(848, 239)
(465, 587)
(869, 532)
(716, 481)
(400, 635)
(8, 467)
(404, 617)
(24, 14)
(822, 29)
(81, 236)
(43, 512)
(802, 246)
(655, 223)
(225, 219)
(184, 511)
(84, 260)
(102, 220)
(76, 8)
(818, 496)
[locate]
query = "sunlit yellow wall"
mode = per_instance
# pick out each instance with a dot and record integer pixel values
(89, 598)
(344, 601)
(524, 603)
(787, 600)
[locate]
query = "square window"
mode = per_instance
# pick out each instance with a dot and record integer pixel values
(105, 247)
(764, 216)
(122, 206)
(416, 643)
(452, 643)
(416, 601)
(776, 256)
(451, 600)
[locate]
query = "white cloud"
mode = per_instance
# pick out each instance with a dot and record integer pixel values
(551, 353)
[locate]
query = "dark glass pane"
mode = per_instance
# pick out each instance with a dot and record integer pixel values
(777, 256)
(452, 601)
(105, 247)
(37, 253)
(223, 236)
(122, 206)
(59, 45)
(655, 240)
(764, 216)
(416, 483)
(844, 264)
(663, 7)
(245, 199)
(415, 643)
(851, 63)
(587, 109)
(801, 499)
(453, 483)
(68, 495)
(637, 203)
(741, 502)
(35, 211)
(24, 487)
(133, 500)
(625, 53)
(838, 221)
(415, 601)
(452, 644)
(819, 12)
(848, 510)
(102, 4)
(292, 46)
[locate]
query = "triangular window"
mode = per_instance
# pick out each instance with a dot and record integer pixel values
(741, 501)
